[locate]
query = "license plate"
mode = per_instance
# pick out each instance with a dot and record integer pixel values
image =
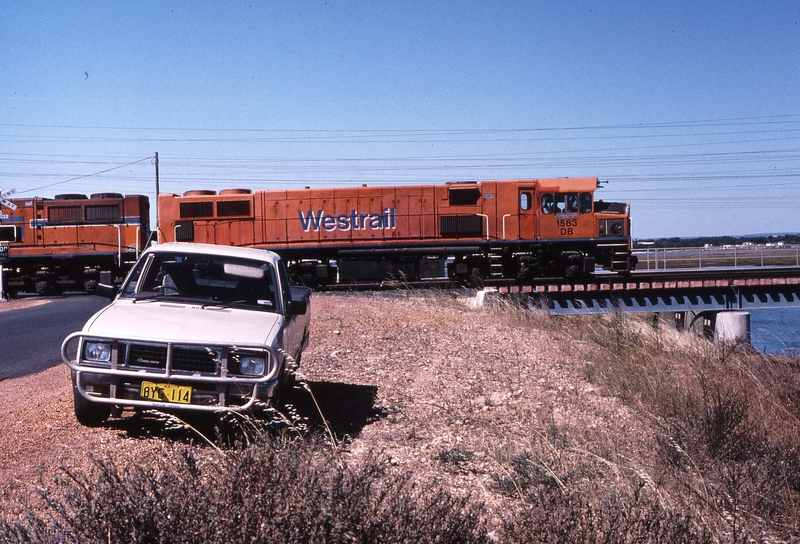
(164, 392)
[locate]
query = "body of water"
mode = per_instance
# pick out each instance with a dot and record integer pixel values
(776, 331)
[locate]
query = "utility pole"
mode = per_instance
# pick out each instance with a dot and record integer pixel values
(157, 191)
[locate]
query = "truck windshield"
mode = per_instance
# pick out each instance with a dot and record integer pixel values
(204, 278)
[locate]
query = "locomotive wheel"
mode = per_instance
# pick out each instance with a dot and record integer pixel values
(88, 413)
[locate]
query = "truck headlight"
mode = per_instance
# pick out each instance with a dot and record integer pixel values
(253, 366)
(98, 351)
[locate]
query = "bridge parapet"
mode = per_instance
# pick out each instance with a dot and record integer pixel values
(649, 294)
(738, 256)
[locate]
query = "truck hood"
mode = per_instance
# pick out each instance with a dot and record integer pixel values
(161, 321)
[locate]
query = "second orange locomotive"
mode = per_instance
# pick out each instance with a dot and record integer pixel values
(512, 229)
(71, 242)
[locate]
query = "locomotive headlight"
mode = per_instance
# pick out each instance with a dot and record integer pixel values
(252, 366)
(98, 351)
(616, 228)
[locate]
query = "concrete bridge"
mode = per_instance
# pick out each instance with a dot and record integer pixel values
(714, 302)
(668, 291)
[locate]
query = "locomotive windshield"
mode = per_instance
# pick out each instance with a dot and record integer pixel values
(566, 203)
(219, 280)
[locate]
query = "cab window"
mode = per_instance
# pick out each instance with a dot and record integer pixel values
(566, 203)
(586, 202)
(548, 203)
(572, 202)
(525, 201)
(561, 203)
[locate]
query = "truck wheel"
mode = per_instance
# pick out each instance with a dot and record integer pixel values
(288, 376)
(88, 413)
(285, 384)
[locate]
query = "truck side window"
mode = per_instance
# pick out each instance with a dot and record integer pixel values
(286, 290)
(586, 202)
(525, 201)
(133, 279)
(547, 203)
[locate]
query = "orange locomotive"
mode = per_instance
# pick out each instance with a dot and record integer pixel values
(71, 242)
(474, 231)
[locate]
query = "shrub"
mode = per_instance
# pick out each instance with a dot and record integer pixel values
(594, 515)
(271, 491)
(726, 419)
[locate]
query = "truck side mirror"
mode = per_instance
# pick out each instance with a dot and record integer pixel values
(298, 307)
(105, 290)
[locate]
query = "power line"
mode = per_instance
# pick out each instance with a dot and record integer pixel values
(734, 121)
(84, 176)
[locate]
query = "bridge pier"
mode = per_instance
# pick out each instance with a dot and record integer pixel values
(723, 326)
(732, 326)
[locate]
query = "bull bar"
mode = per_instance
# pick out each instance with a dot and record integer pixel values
(167, 373)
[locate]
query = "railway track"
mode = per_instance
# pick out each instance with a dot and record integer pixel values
(646, 279)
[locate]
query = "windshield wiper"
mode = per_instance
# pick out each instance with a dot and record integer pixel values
(159, 294)
(226, 303)
(148, 296)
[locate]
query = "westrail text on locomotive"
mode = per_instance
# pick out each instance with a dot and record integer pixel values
(354, 221)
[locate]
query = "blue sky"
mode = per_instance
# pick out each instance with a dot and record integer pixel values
(690, 110)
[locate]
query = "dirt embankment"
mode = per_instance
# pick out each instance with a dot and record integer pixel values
(446, 390)
(522, 413)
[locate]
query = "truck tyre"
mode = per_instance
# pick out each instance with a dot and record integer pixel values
(289, 377)
(88, 413)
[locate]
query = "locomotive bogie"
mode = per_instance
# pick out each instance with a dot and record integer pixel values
(468, 231)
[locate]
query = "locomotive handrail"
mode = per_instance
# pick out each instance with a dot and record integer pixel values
(119, 235)
(504, 225)
(119, 246)
(487, 223)
(119, 243)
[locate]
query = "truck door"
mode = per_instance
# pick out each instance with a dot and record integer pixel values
(527, 213)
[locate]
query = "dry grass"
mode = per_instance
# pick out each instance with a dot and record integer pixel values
(435, 421)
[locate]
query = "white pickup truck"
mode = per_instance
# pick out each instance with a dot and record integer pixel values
(193, 327)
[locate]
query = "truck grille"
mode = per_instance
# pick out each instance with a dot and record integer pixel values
(195, 360)
(204, 361)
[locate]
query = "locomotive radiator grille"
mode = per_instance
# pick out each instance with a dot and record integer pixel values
(457, 226)
(102, 214)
